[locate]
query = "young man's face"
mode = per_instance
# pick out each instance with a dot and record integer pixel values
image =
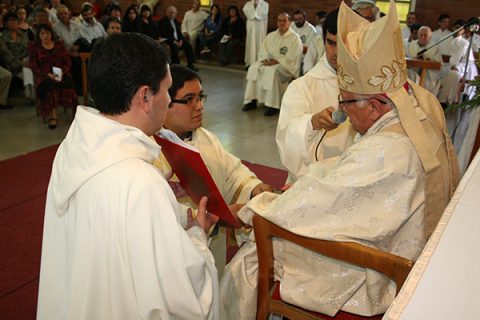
(114, 27)
(183, 118)
(331, 49)
(444, 23)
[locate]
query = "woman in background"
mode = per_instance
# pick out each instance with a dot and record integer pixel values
(54, 88)
(211, 31)
(149, 27)
(233, 34)
(131, 20)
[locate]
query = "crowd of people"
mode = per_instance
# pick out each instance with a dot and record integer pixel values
(119, 244)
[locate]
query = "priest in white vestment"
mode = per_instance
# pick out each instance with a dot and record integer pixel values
(193, 23)
(278, 63)
(432, 80)
(234, 180)
(315, 51)
(303, 28)
(112, 245)
(442, 32)
(306, 132)
(386, 191)
(256, 13)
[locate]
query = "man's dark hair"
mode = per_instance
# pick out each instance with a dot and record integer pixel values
(459, 23)
(180, 75)
(119, 65)
(443, 16)
(300, 11)
(330, 24)
(321, 14)
(9, 15)
(412, 12)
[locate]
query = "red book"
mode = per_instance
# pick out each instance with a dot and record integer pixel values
(195, 178)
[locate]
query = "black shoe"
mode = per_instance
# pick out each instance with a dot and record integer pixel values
(250, 106)
(5, 106)
(270, 112)
(52, 123)
(192, 67)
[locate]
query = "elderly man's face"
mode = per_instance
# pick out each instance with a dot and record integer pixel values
(171, 13)
(183, 118)
(299, 20)
(283, 23)
(63, 15)
(331, 49)
(359, 112)
(424, 37)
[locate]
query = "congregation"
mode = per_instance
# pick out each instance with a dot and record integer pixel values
(366, 146)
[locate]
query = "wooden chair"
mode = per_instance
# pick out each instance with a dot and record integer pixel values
(84, 56)
(424, 65)
(394, 267)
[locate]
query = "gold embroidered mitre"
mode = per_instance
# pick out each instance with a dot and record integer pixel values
(371, 59)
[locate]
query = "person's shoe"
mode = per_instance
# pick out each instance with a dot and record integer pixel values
(270, 112)
(192, 67)
(205, 51)
(250, 106)
(52, 123)
(5, 106)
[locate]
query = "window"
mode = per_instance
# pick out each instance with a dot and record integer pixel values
(206, 3)
(403, 8)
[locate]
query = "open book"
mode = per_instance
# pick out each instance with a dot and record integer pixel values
(193, 174)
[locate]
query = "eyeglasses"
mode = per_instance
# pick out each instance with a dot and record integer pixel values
(344, 102)
(190, 100)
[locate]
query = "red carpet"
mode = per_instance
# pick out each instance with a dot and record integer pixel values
(23, 187)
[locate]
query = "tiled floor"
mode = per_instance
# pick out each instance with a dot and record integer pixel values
(248, 135)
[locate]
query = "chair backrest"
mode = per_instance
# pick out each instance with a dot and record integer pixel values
(84, 57)
(394, 267)
(424, 65)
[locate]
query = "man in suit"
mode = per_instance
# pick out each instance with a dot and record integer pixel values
(171, 30)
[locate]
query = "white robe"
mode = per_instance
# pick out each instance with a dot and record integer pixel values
(432, 79)
(257, 26)
(267, 84)
(405, 32)
(373, 194)
(316, 49)
(296, 139)
(443, 47)
(193, 23)
(307, 32)
(112, 245)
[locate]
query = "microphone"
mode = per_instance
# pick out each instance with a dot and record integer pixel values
(339, 116)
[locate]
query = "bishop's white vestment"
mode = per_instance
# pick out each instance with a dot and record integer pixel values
(373, 194)
(257, 26)
(112, 245)
(296, 140)
(267, 84)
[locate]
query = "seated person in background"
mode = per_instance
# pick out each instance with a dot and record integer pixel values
(90, 28)
(113, 25)
(234, 180)
(233, 34)
(306, 132)
(440, 33)
(278, 63)
(411, 20)
(148, 26)
(193, 23)
(113, 11)
(52, 12)
(412, 36)
(5, 81)
(211, 31)
(476, 39)
(170, 30)
(23, 24)
(53, 89)
(315, 51)
(40, 16)
(112, 245)
(67, 29)
(303, 28)
(319, 20)
(16, 42)
(432, 80)
(131, 21)
(377, 193)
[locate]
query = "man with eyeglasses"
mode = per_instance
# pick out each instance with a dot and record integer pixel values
(306, 132)
(386, 191)
(235, 181)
